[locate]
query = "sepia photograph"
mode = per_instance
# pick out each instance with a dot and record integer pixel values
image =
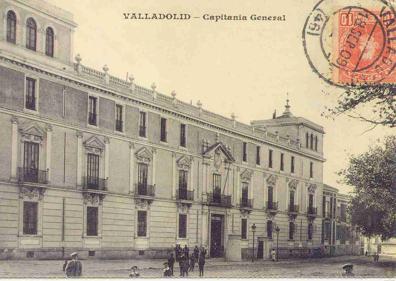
(197, 139)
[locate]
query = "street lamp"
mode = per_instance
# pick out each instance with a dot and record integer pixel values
(277, 229)
(253, 230)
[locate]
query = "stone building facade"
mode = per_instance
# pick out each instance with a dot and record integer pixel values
(96, 164)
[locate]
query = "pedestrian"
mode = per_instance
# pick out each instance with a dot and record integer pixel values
(192, 262)
(376, 257)
(74, 266)
(171, 262)
(166, 271)
(201, 262)
(134, 272)
(348, 270)
(181, 264)
(177, 252)
(203, 251)
(196, 253)
(273, 255)
(186, 252)
(64, 265)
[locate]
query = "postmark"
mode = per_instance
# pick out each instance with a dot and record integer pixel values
(352, 42)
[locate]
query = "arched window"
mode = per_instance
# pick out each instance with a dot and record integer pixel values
(49, 42)
(11, 27)
(31, 34)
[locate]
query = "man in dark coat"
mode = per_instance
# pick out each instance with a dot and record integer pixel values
(201, 262)
(171, 262)
(186, 252)
(74, 266)
(181, 264)
(196, 253)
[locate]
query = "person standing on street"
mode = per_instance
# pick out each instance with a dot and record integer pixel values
(171, 262)
(201, 262)
(273, 255)
(186, 252)
(74, 266)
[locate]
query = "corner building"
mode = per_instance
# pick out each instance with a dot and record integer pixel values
(99, 165)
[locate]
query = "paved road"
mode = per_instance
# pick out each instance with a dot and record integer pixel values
(326, 267)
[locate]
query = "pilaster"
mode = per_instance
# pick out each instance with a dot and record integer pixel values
(14, 147)
(79, 157)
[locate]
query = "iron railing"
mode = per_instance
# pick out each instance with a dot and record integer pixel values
(246, 203)
(218, 199)
(94, 183)
(272, 206)
(145, 190)
(312, 211)
(184, 194)
(32, 175)
(293, 208)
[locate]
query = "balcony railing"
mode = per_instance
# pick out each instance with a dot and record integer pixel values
(293, 208)
(142, 131)
(119, 125)
(92, 118)
(94, 183)
(145, 190)
(184, 194)
(218, 199)
(32, 175)
(312, 211)
(246, 203)
(272, 206)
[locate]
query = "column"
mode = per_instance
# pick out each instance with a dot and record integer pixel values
(204, 176)
(205, 232)
(192, 175)
(173, 175)
(238, 187)
(154, 165)
(251, 183)
(79, 158)
(107, 157)
(48, 153)
(131, 167)
(14, 147)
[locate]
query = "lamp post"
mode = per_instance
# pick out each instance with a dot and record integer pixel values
(254, 231)
(277, 229)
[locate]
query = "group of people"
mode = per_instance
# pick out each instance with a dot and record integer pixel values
(186, 260)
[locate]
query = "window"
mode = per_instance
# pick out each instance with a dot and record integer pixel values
(183, 176)
(258, 160)
(92, 171)
(49, 42)
(291, 230)
(282, 165)
(292, 164)
(311, 143)
(311, 170)
(183, 135)
(182, 226)
(31, 34)
(310, 231)
(316, 143)
(142, 224)
(291, 200)
(244, 229)
(31, 161)
(92, 221)
(163, 129)
(217, 188)
(270, 195)
(270, 158)
(30, 218)
(306, 140)
(92, 111)
(142, 178)
(119, 125)
(11, 27)
(327, 230)
(269, 229)
(245, 193)
(142, 124)
(244, 152)
(310, 200)
(30, 98)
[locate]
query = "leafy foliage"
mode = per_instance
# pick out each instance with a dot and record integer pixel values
(380, 97)
(373, 176)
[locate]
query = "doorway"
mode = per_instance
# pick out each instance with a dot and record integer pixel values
(260, 250)
(216, 236)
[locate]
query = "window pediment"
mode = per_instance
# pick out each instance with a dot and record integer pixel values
(271, 180)
(246, 175)
(184, 162)
(292, 184)
(32, 132)
(311, 188)
(218, 148)
(94, 145)
(144, 155)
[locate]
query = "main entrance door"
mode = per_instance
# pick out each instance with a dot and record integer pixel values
(260, 250)
(216, 236)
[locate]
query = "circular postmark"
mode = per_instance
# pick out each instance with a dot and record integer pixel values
(351, 42)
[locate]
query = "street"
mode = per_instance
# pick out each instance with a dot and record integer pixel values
(325, 267)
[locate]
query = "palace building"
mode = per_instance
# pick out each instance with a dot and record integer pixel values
(103, 166)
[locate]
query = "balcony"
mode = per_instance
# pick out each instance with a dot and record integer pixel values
(144, 190)
(272, 207)
(312, 211)
(293, 209)
(246, 203)
(94, 183)
(185, 195)
(27, 175)
(92, 119)
(218, 199)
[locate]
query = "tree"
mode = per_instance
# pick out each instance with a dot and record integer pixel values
(373, 176)
(380, 98)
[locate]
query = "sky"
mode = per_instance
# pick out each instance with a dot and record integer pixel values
(241, 67)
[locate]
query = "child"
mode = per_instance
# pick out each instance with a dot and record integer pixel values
(167, 271)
